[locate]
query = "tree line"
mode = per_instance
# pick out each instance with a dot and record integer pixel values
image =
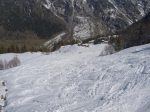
(19, 42)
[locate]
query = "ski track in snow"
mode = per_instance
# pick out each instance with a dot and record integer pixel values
(77, 79)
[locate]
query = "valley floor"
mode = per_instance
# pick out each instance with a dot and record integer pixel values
(78, 79)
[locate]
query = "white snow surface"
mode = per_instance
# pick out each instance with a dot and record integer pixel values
(2, 94)
(77, 79)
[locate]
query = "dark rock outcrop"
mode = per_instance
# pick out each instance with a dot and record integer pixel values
(136, 34)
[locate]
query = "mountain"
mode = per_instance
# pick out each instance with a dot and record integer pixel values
(81, 18)
(136, 34)
(78, 20)
(91, 18)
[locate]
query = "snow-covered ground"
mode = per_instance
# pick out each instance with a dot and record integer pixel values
(78, 79)
(3, 93)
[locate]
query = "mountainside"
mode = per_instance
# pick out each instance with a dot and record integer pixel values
(29, 15)
(90, 18)
(81, 18)
(136, 34)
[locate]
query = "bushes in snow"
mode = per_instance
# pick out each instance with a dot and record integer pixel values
(13, 63)
(1, 65)
(10, 64)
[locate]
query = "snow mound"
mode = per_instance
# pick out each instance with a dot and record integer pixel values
(108, 49)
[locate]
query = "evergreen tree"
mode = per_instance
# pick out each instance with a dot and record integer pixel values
(17, 49)
(23, 49)
(12, 48)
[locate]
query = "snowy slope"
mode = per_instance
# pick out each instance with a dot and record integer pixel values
(78, 79)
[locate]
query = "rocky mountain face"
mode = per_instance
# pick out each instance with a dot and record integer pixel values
(81, 18)
(136, 34)
(90, 18)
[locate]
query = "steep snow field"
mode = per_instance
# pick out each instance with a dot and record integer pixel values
(78, 79)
